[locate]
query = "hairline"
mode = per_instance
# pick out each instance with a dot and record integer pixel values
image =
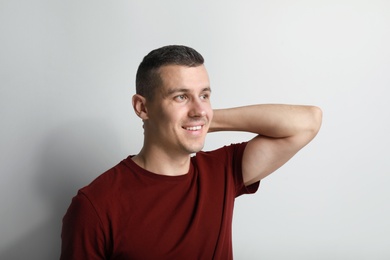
(149, 71)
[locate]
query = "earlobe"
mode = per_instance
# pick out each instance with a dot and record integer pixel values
(139, 106)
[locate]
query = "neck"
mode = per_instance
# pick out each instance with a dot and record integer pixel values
(162, 163)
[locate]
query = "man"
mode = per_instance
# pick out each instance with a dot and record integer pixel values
(164, 203)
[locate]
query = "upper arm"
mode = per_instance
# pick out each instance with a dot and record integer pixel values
(263, 155)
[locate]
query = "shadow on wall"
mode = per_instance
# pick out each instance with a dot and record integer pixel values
(71, 157)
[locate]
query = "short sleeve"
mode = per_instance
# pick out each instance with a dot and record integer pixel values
(82, 234)
(237, 154)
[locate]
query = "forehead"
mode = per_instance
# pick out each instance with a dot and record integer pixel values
(176, 76)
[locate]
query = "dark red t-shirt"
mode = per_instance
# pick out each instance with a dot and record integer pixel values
(130, 213)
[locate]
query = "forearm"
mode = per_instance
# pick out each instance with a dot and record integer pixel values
(271, 120)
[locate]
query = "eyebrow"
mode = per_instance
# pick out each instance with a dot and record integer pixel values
(184, 90)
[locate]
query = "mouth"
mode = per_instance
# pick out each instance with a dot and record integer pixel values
(193, 128)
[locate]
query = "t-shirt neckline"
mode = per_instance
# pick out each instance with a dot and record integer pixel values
(143, 172)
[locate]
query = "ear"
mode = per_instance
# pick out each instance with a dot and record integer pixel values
(139, 106)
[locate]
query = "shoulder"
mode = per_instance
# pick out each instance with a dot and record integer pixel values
(226, 159)
(228, 152)
(107, 185)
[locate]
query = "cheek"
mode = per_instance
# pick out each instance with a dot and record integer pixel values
(169, 116)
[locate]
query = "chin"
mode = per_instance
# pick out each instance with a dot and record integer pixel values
(195, 148)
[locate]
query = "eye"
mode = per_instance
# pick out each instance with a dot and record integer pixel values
(205, 96)
(180, 98)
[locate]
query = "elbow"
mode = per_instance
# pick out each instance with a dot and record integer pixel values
(316, 120)
(310, 125)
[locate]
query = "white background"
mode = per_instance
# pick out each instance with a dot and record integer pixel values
(67, 72)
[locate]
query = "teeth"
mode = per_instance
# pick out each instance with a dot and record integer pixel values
(194, 128)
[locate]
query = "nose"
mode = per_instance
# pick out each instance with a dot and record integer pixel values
(198, 108)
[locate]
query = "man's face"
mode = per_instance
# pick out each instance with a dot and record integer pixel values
(180, 113)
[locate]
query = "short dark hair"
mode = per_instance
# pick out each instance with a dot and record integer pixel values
(148, 78)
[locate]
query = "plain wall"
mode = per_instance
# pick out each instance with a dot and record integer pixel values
(67, 72)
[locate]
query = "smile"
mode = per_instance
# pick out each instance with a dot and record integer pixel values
(193, 128)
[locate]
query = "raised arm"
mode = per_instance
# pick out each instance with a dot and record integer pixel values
(282, 131)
